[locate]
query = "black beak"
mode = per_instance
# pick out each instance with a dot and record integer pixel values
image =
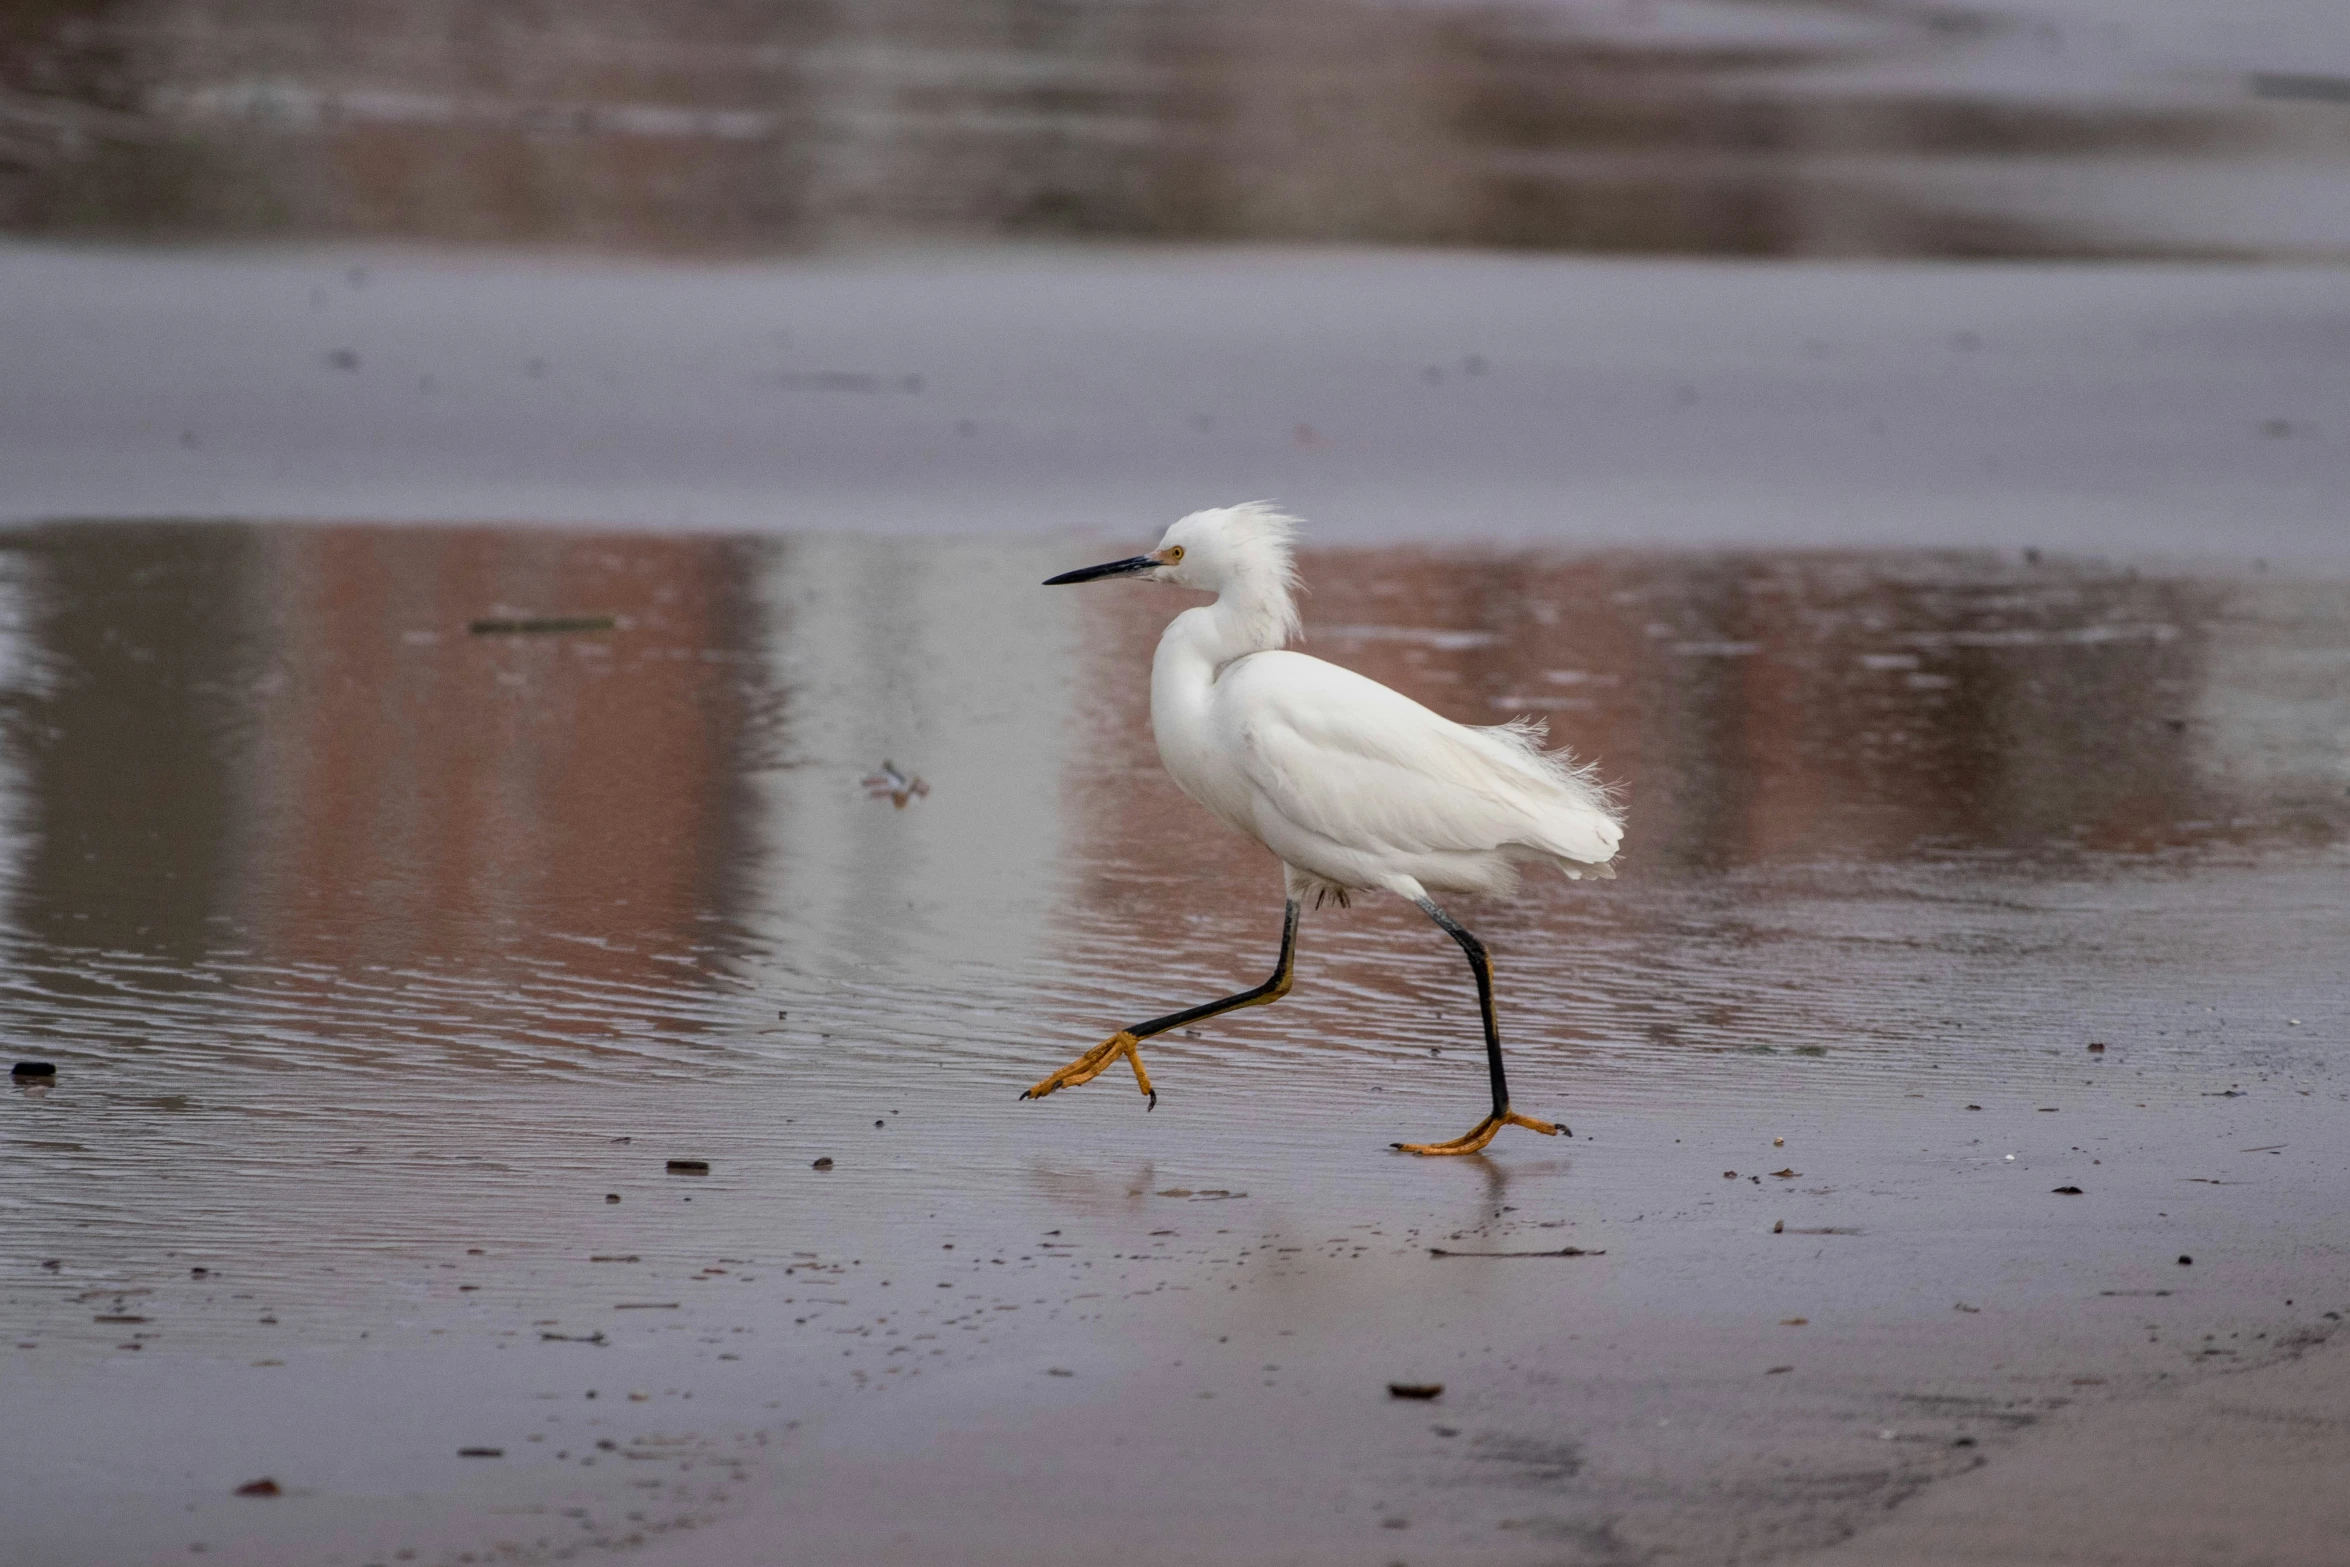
(1133, 566)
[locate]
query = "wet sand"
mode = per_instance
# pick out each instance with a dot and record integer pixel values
(1388, 397)
(379, 958)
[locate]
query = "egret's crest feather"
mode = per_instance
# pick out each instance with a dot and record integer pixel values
(1244, 555)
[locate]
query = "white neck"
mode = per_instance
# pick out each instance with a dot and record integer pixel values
(1247, 617)
(1252, 614)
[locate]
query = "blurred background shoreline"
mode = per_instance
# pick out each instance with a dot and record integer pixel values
(1833, 128)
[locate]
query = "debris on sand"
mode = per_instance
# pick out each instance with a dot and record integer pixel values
(33, 1069)
(895, 787)
(824, 1163)
(1419, 1390)
(596, 1337)
(481, 1452)
(2065, 1191)
(1564, 1251)
(540, 625)
(264, 1486)
(689, 1167)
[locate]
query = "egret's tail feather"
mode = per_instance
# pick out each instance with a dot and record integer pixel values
(1576, 817)
(1528, 740)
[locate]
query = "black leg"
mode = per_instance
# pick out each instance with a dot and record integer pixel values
(1484, 972)
(1089, 1065)
(1502, 1114)
(1270, 991)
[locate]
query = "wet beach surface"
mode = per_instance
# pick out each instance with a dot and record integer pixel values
(386, 965)
(1386, 396)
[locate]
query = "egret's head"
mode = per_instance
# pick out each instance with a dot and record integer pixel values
(1224, 547)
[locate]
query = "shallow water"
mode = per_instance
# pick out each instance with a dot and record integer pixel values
(378, 957)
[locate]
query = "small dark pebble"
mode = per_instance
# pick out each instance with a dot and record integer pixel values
(2065, 1191)
(821, 1164)
(2099, 1048)
(1964, 1441)
(261, 1487)
(611, 1197)
(481, 1452)
(2186, 1261)
(33, 1069)
(689, 1167)
(1418, 1390)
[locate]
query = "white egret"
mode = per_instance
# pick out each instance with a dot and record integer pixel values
(1352, 786)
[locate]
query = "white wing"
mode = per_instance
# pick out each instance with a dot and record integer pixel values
(1344, 757)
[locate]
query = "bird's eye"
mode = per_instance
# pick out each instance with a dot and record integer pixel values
(1174, 553)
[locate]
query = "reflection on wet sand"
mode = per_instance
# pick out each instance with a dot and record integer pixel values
(448, 791)
(283, 745)
(281, 750)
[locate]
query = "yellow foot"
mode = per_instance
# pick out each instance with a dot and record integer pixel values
(1483, 1134)
(1094, 1062)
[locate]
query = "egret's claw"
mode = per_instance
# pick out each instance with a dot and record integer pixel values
(1481, 1134)
(1094, 1062)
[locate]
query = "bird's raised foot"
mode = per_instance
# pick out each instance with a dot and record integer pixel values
(1094, 1062)
(1483, 1133)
